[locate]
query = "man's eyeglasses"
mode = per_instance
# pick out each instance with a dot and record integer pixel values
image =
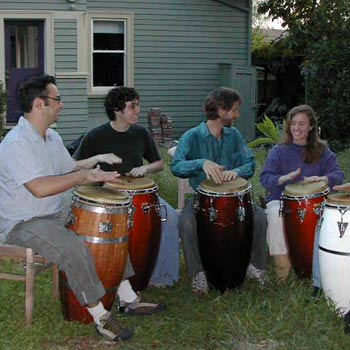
(58, 99)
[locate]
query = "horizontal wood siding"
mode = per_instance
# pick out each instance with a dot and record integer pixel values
(178, 46)
(66, 45)
(41, 5)
(73, 118)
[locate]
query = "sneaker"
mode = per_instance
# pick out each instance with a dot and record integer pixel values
(199, 284)
(137, 308)
(111, 329)
(256, 274)
(347, 323)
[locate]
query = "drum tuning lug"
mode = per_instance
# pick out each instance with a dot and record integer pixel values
(241, 213)
(105, 227)
(162, 209)
(146, 209)
(195, 202)
(212, 214)
(301, 214)
(70, 220)
(131, 211)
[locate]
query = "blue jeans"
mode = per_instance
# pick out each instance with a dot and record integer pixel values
(166, 270)
(316, 278)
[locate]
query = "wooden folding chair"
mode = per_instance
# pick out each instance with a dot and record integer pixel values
(33, 264)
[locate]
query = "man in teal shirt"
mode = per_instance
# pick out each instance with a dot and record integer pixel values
(214, 151)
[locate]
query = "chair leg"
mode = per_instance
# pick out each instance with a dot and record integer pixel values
(30, 275)
(55, 282)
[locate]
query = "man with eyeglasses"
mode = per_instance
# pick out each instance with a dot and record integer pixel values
(35, 170)
(133, 144)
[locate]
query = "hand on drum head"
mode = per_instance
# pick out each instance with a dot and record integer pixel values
(98, 175)
(213, 171)
(229, 175)
(344, 187)
(138, 172)
(309, 179)
(109, 158)
(289, 177)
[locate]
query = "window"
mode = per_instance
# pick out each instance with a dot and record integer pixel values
(108, 54)
(110, 51)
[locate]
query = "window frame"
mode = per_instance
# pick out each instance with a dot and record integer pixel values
(128, 20)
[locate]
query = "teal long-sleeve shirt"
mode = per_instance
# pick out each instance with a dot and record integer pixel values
(198, 145)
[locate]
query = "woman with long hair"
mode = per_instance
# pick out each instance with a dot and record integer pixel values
(301, 155)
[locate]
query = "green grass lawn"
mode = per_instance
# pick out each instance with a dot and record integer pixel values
(276, 316)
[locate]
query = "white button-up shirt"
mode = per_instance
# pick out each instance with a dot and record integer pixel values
(24, 156)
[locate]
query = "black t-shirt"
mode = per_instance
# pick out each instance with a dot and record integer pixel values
(132, 146)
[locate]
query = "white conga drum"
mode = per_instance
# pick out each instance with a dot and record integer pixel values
(334, 250)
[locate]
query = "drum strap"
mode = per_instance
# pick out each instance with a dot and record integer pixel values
(333, 251)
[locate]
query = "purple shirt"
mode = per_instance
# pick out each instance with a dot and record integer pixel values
(284, 158)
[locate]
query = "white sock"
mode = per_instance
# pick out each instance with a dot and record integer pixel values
(125, 292)
(97, 311)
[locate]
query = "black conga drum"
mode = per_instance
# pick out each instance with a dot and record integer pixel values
(225, 231)
(99, 216)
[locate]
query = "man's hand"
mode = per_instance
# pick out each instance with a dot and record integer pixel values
(109, 158)
(229, 175)
(213, 171)
(98, 175)
(138, 172)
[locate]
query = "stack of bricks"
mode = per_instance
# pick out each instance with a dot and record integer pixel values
(160, 126)
(155, 127)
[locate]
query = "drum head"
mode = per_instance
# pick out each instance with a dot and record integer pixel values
(303, 188)
(342, 199)
(99, 194)
(132, 183)
(237, 185)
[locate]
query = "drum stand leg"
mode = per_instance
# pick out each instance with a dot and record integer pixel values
(347, 323)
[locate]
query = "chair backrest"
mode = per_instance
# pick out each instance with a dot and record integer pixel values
(183, 186)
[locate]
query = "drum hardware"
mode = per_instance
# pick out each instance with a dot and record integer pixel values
(131, 211)
(195, 202)
(105, 227)
(145, 208)
(241, 213)
(160, 209)
(301, 214)
(70, 220)
(342, 226)
(280, 211)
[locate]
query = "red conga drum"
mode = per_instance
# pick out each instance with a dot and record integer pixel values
(100, 217)
(145, 227)
(225, 231)
(300, 206)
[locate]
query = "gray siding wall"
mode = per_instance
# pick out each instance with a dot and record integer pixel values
(178, 46)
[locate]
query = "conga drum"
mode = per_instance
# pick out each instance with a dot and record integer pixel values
(99, 216)
(145, 227)
(225, 231)
(300, 206)
(334, 250)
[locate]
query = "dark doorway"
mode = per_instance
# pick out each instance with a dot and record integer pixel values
(24, 57)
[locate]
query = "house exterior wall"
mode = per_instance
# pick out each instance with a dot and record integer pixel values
(178, 47)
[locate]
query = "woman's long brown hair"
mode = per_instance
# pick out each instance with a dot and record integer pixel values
(314, 147)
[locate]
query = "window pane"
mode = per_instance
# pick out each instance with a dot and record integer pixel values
(108, 69)
(108, 35)
(24, 47)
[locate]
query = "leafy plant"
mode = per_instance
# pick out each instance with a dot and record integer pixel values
(270, 131)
